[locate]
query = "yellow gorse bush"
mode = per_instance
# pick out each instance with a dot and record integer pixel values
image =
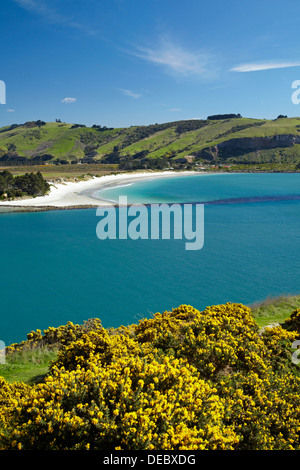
(55, 336)
(183, 379)
(129, 404)
(220, 337)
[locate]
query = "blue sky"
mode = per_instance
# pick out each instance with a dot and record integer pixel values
(126, 62)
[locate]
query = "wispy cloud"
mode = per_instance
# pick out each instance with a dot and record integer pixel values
(176, 59)
(43, 9)
(255, 67)
(130, 93)
(10, 110)
(69, 100)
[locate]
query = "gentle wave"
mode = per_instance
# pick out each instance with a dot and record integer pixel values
(118, 186)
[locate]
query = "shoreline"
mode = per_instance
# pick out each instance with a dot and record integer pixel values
(79, 195)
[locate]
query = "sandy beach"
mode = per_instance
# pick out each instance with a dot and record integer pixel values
(80, 194)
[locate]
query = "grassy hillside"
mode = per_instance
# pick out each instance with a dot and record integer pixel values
(275, 309)
(56, 142)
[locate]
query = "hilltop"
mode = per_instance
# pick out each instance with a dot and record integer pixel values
(220, 139)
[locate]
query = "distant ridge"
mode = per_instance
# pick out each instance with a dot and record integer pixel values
(221, 138)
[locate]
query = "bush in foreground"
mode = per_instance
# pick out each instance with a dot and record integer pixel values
(183, 379)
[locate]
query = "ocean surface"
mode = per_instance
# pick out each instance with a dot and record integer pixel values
(54, 268)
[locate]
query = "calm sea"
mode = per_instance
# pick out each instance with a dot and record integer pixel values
(54, 269)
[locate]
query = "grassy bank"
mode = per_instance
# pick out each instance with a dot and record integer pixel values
(27, 366)
(274, 309)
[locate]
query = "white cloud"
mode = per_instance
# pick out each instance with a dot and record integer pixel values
(69, 100)
(41, 8)
(130, 93)
(176, 59)
(254, 67)
(10, 110)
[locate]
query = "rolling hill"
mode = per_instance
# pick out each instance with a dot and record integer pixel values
(218, 139)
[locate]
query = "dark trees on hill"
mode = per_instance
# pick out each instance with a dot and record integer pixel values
(223, 116)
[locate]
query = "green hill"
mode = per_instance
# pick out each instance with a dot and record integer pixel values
(217, 139)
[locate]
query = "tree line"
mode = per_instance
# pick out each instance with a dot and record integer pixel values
(29, 184)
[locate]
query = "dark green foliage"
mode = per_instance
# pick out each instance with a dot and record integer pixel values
(11, 147)
(223, 116)
(31, 184)
(90, 150)
(6, 181)
(101, 129)
(75, 126)
(186, 126)
(40, 123)
(10, 128)
(11, 160)
(30, 124)
(42, 158)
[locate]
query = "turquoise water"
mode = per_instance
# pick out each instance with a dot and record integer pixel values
(55, 269)
(207, 187)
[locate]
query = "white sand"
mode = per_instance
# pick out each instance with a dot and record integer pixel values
(80, 193)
